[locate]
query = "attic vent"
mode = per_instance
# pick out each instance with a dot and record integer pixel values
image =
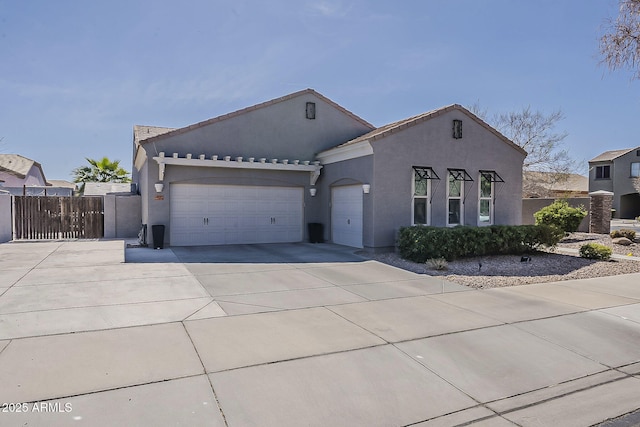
(457, 129)
(311, 110)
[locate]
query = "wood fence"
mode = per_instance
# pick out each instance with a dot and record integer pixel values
(52, 217)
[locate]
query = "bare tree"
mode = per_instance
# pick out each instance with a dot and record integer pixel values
(547, 164)
(535, 132)
(620, 45)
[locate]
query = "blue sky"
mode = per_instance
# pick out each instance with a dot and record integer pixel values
(75, 76)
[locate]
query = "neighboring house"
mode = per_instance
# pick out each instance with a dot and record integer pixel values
(616, 171)
(554, 185)
(23, 176)
(18, 171)
(258, 175)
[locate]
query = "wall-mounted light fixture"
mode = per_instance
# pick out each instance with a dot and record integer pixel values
(366, 188)
(312, 191)
(159, 187)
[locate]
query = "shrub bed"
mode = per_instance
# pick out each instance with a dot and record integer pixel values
(420, 243)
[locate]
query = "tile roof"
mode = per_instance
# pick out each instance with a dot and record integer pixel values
(390, 128)
(252, 108)
(140, 132)
(17, 165)
(63, 183)
(558, 181)
(610, 155)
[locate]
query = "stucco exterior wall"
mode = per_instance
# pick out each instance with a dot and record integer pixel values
(620, 184)
(122, 216)
(431, 144)
(5, 218)
(280, 131)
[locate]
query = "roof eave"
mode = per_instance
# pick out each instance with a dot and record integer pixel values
(253, 108)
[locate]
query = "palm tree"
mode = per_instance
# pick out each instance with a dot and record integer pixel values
(103, 170)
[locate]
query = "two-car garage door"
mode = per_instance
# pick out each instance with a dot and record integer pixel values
(231, 214)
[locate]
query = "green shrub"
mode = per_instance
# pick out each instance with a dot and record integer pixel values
(595, 251)
(420, 243)
(623, 232)
(560, 215)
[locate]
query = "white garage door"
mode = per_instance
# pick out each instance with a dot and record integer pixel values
(231, 214)
(346, 215)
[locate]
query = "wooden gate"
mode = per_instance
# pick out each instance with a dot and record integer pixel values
(53, 217)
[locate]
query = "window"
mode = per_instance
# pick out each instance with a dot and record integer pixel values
(635, 170)
(486, 194)
(311, 110)
(603, 172)
(455, 190)
(457, 129)
(421, 190)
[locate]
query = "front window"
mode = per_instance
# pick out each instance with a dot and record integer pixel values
(635, 170)
(455, 193)
(485, 205)
(603, 172)
(421, 193)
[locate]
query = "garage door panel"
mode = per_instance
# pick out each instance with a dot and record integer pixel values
(235, 214)
(346, 215)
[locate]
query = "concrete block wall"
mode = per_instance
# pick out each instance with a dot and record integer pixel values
(531, 206)
(122, 216)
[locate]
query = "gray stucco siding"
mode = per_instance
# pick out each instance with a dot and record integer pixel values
(620, 182)
(278, 131)
(431, 144)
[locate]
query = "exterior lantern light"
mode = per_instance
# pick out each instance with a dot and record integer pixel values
(312, 191)
(366, 188)
(159, 187)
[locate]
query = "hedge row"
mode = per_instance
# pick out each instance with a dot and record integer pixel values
(419, 243)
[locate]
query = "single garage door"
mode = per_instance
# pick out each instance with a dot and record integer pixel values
(346, 215)
(231, 214)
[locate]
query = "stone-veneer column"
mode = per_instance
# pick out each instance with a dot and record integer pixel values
(600, 209)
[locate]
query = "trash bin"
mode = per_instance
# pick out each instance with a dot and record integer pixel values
(158, 236)
(316, 232)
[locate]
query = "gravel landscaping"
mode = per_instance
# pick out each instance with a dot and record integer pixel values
(505, 270)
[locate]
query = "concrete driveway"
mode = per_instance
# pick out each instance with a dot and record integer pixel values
(289, 335)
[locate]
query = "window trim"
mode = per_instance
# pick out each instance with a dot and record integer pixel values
(428, 174)
(462, 176)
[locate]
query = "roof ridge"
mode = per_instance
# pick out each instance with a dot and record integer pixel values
(387, 129)
(245, 110)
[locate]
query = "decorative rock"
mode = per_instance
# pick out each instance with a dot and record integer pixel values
(621, 241)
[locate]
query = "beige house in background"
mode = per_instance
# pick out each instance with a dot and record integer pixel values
(554, 185)
(17, 170)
